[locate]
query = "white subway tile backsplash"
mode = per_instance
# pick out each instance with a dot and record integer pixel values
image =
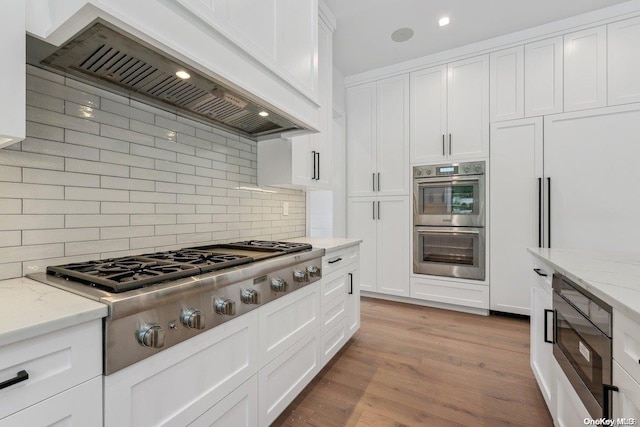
(37, 206)
(126, 208)
(77, 221)
(97, 168)
(127, 232)
(80, 138)
(43, 176)
(110, 176)
(61, 235)
(125, 159)
(126, 183)
(100, 194)
(31, 160)
(81, 248)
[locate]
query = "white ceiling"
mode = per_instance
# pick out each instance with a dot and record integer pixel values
(362, 40)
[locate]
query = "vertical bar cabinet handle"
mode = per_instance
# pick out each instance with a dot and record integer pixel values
(318, 178)
(443, 144)
(373, 205)
(373, 177)
(539, 212)
(313, 153)
(450, 144)
(546, 325)
(549, 212)
(378, 209)
(378, 181)
(351, 280)
(606, 410)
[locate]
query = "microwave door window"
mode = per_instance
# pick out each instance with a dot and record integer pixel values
(448, 249)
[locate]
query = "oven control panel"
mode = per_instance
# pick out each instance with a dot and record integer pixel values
(453, 169)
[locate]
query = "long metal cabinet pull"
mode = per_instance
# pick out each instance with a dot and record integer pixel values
(373, 177)
(318, 177)
(443, 144)
(20, 376)
(313, 153)
(546, 324)
(450, 144)
(373, 206)
(351, 280)
(549, 212)
(378, 209)
(606, 407)
(378, 181)
(539, 212)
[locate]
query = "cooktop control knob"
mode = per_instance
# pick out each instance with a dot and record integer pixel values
(313, 271)
(278, 285)
(299, 276)
(225, 306)
(151, 335)
(250, 296)
(193, 319)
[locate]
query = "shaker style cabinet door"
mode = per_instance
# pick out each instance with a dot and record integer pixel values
(507, 84)
(516, 210)
(392, 147)
(543, 82)
(626, 402)
(393, 246)
(585, 69)
(361, 224)
(361, 140)
(468, 108)
(542, 361)
(428, 115)
(623, 51)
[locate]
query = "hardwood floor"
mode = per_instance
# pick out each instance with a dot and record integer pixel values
(418, 366)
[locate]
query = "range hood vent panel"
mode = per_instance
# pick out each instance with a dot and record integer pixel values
(106, 57)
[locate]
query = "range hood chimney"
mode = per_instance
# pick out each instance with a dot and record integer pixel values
(110, 59)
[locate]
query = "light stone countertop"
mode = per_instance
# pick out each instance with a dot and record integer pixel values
(29, 308)
(329, 244)
(612, 277)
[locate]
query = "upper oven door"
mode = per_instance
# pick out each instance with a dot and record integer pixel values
(449, 201)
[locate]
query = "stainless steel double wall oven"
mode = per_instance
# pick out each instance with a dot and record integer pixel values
(449, 220)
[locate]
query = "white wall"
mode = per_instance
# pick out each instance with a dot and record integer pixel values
(100, 175)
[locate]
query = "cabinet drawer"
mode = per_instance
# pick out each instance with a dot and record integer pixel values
(333, 341)
(626, 344)
(626, 402)
(285, 377)
(239, 408)
(337, 259)
(543, 281)
(54, 362)
(332, 313)
(286, 320)
(462, 294)
(334, 286)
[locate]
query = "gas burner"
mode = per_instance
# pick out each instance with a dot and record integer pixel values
(124, 274)
(207, 261)
(267, 245)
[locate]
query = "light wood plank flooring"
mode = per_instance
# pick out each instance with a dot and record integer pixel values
(418, 366)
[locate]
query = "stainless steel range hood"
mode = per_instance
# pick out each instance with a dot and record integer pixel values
(111, 59)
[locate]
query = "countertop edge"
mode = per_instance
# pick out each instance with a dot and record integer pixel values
(329, 244)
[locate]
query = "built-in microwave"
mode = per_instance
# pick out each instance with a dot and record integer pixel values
(449, 195)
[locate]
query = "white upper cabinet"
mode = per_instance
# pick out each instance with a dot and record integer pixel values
(450, 111)
(543, 82)
(428, 114)
(468, 108)
(507, 84)
(12, 73)
(623, 51)
(377, 138)
(585, 69)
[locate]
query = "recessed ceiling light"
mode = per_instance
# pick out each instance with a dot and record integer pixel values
(183, 74)
(402, 35)
(444, 21)
(263, 113)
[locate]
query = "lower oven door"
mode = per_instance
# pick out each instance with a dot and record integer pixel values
(449, 251)
(583, 352)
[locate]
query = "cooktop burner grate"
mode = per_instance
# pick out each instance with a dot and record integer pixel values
(206, 261)
(267, 245)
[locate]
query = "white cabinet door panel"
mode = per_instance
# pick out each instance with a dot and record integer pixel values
(392, 136)
(468, 108)
(12, 73)
(626, 343)
(428, 114)
(507, 84)
(353, 301)
(626, 402)
(361, 139)
(623, 50)
(570, 411)
(543, 82)
(297, 41)
(542, 361)
(238, 409)
(585, 69)
(515, 182)
(361, 224)
(393, 246)
(257, 21)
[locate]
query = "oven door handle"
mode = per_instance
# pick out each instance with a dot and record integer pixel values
(422, 181)
(606, 410)
(446, 231)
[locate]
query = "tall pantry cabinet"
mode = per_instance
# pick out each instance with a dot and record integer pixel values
(378, 183)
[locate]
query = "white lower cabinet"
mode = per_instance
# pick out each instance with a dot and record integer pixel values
(353, 299)
(286, 376)
(461, 294)
(79, 406)
(238, 409)
(541, 327)
(626, 402)
(569, 409)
